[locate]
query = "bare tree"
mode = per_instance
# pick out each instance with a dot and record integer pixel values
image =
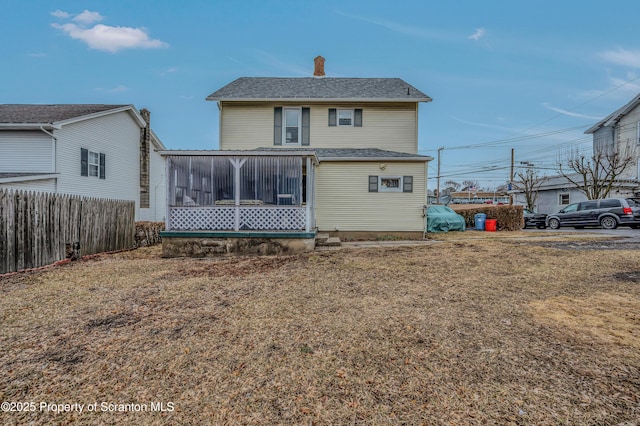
(528, 181)
(451, 186)
(470, 184)
(595, 175)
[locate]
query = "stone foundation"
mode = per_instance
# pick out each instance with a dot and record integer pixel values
(216, 245)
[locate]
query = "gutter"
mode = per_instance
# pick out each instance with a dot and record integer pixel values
(334, 100)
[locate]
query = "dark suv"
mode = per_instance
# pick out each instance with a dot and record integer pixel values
(608, 213)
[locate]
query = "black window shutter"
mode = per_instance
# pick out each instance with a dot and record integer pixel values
(332, 117)
(102, 166)
(357, 117)
(306, 121)
(407, 184)
(84, 162)
(373, 183)
(277, 126)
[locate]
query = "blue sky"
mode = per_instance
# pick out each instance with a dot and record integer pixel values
(502, 74)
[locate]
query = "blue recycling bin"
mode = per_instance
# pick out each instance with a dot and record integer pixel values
(480, 219)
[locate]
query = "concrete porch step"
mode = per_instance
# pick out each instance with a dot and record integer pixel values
(324, 240)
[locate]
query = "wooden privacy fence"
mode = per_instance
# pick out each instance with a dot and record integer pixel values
(37, 229)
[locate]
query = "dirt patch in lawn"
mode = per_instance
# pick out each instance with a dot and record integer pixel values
(461, 332)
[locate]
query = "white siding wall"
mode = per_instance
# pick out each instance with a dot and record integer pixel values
(344, 202)
(115, 135)
(627, 138)
(157, 191)
(26, 152)
(385, 126)
(40, 185)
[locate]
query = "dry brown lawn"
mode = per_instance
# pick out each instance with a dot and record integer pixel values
(479, 331)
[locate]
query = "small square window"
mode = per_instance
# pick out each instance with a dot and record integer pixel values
(563, 199)
(345, 117)
(390, 184)
(94, 163)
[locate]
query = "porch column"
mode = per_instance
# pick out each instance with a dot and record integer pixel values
(309, 196)
(237, 164)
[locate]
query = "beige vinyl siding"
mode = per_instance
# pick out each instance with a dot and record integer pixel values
(389, 126)
(26, 152)
(344, 203)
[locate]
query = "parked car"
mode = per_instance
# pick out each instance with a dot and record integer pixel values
(539, 220)
(443, 219)
(608, 213)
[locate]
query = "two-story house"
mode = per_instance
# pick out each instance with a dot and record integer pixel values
(620, 132)
(301, 155)
(92, 150)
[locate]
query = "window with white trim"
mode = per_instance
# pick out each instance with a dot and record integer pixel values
(563, 199)
(94, 163)
(345, 117)
(390, 183)
(292, 124)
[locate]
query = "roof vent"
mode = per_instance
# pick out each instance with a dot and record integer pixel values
(318, 70)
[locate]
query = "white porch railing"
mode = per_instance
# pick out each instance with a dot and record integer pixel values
(239, 218)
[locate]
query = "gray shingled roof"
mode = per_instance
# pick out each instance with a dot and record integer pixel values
(269, 88)
(31, 113)
(352, 153)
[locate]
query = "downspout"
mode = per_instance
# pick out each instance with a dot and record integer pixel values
(55, 152)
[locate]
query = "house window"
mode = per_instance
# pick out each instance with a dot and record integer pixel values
(292, 124)
(563, 199)
(345, 117)
(389, 184)
(94, 163)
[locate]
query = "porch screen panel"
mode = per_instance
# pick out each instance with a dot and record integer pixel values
(271, 181)
(223, 182)
(198, 181)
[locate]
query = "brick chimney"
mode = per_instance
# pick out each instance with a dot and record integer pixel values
(145, 142)
(318, 70)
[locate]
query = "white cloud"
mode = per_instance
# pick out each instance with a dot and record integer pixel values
(88, 18)
(105, 37)
(480, 32)
(620, 56)
(60, 14)
(569, 113)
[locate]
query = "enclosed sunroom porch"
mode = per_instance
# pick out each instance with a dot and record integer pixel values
(261, 194)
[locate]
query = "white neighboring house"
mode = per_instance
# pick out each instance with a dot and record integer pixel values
(101, 151)
(620, 131)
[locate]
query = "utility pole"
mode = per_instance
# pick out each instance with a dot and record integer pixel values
(511, 176)
(438, 184)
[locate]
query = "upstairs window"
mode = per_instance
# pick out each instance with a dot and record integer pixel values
(92, 163)
(292, 124)
(345, 117)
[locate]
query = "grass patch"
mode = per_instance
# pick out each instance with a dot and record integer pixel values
(486, 331)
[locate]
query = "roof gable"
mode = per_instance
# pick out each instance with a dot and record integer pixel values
(322, 89)
(58, 114)
(615, 116)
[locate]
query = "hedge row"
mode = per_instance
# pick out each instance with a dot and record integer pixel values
(148, 233)
(510, 218)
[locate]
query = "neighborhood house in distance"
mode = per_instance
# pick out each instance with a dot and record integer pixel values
(101, 151)
(617, 132)
(336, 155)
